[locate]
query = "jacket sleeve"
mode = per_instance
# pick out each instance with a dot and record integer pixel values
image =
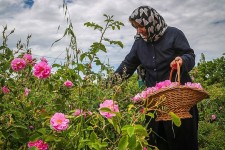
(183, 50)
(129, 64)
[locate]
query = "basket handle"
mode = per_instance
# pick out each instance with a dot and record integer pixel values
(178, 72)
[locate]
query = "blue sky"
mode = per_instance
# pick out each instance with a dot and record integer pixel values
(202, 21)
(28, 3)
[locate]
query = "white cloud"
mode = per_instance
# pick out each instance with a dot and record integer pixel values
(202, 22)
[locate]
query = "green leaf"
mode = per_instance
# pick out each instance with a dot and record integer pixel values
(80, 67)
(93, 25)
(33, 148)
(51, 138)
(105, 109)
(34, 137)
(42, 131)
(130, 106)
(20, 126)
(93, 137)
(123, 143)
(130, 131)
(140, 130)
(82, 56)
(132, 142)
(55, 65)
(150, 114)
(176, 120)
(97, 62)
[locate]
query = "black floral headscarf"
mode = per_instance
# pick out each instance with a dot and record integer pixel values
(153, 22)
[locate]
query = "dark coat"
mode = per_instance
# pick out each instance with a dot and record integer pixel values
(156, 58)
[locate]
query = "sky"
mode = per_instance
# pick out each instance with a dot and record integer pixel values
(202, 21)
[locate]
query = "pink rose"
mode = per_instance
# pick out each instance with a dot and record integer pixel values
(194, 85)
(144, 148)
(79, 112)
(5, 89)
(137, 98)
(28, 58)
(44, 59)
(18, 64)
(144, 94)
(39, 144)
(213, 117)
(42, 70)
(26, 91)
(68, 83)
(111, 105)
(163, 84)
(59, 122)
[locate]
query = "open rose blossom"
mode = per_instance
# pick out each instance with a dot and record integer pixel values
(68, 83)
(111, 105)
(42, 70)
(28, 58)
(59, 122)
(5, 89)
(18, 64)
(39, 144)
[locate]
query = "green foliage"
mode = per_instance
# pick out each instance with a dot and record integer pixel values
(211, 137)
(211, 72)
(27, 118)
(210, 75)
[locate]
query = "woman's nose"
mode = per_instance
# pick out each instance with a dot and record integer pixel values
(139, 30)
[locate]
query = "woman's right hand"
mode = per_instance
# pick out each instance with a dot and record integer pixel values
(173, 64)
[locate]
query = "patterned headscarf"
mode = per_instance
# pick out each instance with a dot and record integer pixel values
(153, 22)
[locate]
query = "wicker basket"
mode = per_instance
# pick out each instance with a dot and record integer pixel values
(178, 99)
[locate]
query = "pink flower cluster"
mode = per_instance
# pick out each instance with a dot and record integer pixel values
(42, 70)
(68, 83)
(112, 106)
(18, 64)
(79, 112)
(39, 144)
(194, 85)
(59, 122)
(161, 85)
(152, 90)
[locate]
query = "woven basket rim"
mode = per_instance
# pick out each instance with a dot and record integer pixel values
(163, 90)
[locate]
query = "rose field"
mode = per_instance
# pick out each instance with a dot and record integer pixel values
(72, 106)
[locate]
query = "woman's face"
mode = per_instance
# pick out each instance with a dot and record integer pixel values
(140, 29)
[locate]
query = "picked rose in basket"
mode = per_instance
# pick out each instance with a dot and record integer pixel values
(166, 97)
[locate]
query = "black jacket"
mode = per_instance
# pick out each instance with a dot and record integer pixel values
(156, 57)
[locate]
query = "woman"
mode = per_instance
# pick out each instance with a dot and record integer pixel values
(157, 47)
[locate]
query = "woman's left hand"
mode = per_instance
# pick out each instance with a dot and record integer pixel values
(173, 64)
